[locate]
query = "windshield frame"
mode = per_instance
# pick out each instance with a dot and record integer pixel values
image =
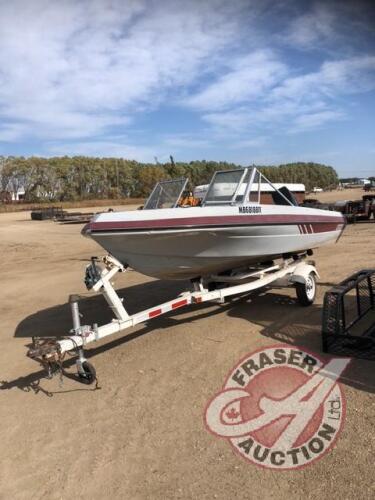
(164, 182)
(248, 189)
(205, 201)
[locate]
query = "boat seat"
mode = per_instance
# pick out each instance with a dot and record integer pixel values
(279, 200)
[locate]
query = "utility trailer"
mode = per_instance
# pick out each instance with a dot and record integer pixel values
(348, 324)
(293, 270)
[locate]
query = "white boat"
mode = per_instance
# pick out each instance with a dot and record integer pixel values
(230, 229)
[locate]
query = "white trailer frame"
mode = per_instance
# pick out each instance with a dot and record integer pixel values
(288, 272)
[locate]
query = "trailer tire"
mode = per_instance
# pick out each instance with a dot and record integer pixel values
(89, 373)
(306, 292)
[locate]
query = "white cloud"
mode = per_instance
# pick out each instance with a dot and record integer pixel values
(111, 147)
(303, 102)
(249, 143)
(181, 141)
(311, 121)
(235, 119)
(75, 74)
(73, 69)
(346, 76)
(248, 77)
(122, 146)
(10, 132)
(336, 28)
(313, 27)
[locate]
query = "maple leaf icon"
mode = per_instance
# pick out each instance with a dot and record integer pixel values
(232, 414)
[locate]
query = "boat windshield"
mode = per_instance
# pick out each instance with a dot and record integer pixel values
(166, 194)
(225, 185)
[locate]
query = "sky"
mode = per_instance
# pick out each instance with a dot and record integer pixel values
(246, 81)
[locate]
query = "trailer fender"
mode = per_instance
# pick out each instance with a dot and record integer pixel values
(301, 273)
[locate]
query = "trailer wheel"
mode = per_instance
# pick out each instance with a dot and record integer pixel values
(306, 292)
(89, 373)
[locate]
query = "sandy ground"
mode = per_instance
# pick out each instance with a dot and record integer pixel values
(339, 194)
(142, 436)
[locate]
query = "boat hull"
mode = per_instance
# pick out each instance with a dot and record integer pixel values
(192, 252)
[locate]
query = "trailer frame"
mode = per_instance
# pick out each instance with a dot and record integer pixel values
(293, 270)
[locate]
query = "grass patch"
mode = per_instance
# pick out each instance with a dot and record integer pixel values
(21, 206)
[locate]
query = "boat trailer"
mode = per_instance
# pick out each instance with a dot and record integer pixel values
(293, 270)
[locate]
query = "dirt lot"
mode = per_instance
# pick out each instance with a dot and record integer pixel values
(142, 436)
(338, 194)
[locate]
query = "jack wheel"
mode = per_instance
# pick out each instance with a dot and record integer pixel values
(306, 292)
(88, 376)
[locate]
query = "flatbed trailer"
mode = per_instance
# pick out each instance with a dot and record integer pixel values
(293, 270)
(74, 217)
(353, 210)
(359, 209)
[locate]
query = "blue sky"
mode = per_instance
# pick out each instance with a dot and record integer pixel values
(260, 82)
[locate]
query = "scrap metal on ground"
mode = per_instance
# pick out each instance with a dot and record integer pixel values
(47, 213)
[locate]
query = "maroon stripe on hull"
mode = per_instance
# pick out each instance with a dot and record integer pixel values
(322, 228)
(187, 222)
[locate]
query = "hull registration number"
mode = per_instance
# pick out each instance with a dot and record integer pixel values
(250, 210)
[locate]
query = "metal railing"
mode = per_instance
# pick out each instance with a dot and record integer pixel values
(348, 326)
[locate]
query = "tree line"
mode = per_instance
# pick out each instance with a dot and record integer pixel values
(80, 177)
